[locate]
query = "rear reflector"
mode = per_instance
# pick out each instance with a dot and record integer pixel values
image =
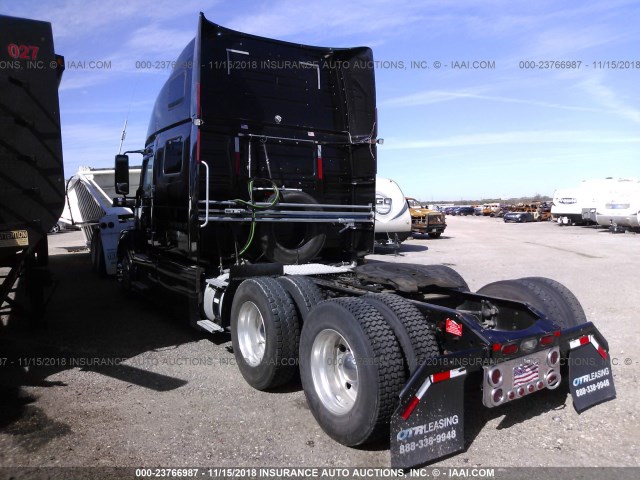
(528, 345)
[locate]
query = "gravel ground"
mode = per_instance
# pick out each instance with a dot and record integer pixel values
(177, 399)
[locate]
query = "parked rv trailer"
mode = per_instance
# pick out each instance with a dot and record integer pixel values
(256, 210)
(566, 207)
(31, 169)
(392, 220)
(619, 205)
(578, 205)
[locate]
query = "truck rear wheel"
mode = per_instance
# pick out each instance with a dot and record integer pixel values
(264, 333)
(416, 338)
(127, 275)
(434, 234)
(97, 254)
(351, 369)
(551, 298)
(572, 312)
(305, 293)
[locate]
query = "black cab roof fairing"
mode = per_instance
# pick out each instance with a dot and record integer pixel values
(174, 102)
(251, 79)
(269, 83)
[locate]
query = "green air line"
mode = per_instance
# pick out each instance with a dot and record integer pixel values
(255, 207)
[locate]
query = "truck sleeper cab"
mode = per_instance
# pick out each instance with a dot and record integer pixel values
(256, 206)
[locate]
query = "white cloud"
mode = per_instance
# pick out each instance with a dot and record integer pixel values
(334, 18)
(439, 96)
(78, 17)
(515, 137)
(609, 98)
(155, 39)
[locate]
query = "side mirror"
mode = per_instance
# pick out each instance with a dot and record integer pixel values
(122, 174)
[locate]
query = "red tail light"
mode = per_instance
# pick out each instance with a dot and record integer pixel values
(510, 349)
(320, 167)
(547, 340)
(495, 377)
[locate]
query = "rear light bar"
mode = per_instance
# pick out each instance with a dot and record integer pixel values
(520, 376)
(527, 345)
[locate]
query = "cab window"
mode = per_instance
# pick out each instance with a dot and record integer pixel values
(147, 177)
(172, 162)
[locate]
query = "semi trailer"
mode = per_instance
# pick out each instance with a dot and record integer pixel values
(256, 209)
(31, 169)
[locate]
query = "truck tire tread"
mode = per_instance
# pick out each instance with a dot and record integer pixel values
(350, 317)
(282, 317)
(305, 293)
(410, 326)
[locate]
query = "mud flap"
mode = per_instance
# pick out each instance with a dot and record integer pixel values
(430, 423)
(590, 375)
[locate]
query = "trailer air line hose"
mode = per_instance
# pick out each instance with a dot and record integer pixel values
(253, 206)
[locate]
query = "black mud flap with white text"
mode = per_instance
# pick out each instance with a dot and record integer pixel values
(430, 423)
(590, 374)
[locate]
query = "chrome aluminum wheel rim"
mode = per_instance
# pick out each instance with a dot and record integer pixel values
(334, 372)
(251, 333)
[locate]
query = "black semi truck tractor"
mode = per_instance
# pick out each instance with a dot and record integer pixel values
(31, 169)
(256, 208)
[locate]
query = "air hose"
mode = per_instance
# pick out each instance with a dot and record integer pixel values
(253, 207)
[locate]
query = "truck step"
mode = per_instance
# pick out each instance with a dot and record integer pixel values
(209, 326)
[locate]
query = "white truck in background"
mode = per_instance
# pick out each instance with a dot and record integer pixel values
(89, 205)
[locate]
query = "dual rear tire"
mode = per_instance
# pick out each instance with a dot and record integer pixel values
(350, 357)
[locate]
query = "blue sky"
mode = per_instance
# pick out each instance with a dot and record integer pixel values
(450, 133)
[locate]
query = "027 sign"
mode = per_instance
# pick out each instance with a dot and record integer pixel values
(23, 52)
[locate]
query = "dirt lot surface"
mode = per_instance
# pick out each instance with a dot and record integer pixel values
(177, 399)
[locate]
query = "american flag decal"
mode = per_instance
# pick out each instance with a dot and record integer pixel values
(453, 327)
(525, 374)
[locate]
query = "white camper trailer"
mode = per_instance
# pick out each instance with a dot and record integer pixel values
(393, 219)
(566, 208)
(619, 204)
(578, 205)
